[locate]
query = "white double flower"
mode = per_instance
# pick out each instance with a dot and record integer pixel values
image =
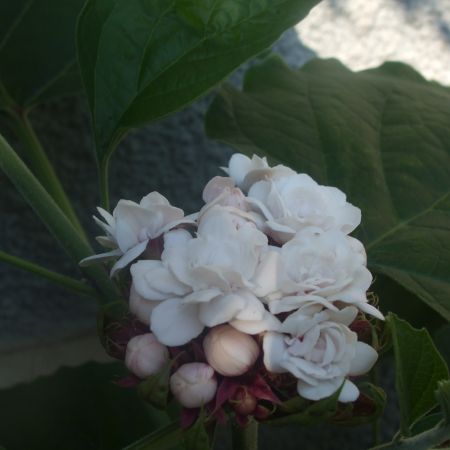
(205, 280)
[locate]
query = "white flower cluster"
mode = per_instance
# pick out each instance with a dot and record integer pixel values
(269, 255)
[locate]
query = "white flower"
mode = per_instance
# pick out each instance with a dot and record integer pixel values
(245, 171)
(321, 354)
(141, 307)
(206, 280)
(230, 352)
(292, 203)
(193, 384)
(320, 266)
(145, 356)
(131, 227)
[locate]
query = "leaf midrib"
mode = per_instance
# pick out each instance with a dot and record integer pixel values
(406, 222)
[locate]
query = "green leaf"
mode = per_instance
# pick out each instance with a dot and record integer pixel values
(313, 414)
(419, 368)
(155, 388)
(381, 135)
(368, 408)
(37, 50)
(196, 437)
(53, 218)
(143, 59)
(442, 340)
(76, 408)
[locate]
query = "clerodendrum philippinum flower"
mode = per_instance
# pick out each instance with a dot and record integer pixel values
(257, 292)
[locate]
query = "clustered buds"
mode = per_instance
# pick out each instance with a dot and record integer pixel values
(261, 291)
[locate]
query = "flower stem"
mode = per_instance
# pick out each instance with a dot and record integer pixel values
(245, 438)
(63, 280)
(40, 164)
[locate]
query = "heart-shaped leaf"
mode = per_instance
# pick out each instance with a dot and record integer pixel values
(143, 59)
(419, 368)
(37, 50)
(382, 136)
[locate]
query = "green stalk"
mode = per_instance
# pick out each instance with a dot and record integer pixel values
(245, 438)
(41, 166)
(54, 219)
(423, 441)
(163, 439)
(57, 278)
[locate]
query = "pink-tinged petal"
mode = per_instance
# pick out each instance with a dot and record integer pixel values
(188, 417)
(175, 323)
(215, 187)
(128, 257)
(349, 392)
(364, 359)
(323, 389)
(95, 259)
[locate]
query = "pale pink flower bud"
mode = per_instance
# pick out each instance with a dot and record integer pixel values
(230, 352)
(145, 355)
(193, 384)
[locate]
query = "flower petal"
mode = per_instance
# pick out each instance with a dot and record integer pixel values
(274, 348)
(128, 256)
(267, 323)
(365, 358)
(175, 323)
(349, 392)
(323, 389)
(113, 254)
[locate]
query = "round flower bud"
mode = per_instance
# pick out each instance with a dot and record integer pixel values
(230, 352)
(145, 355)
(193, 384)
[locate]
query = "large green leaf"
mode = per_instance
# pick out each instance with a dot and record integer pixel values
(77, 408)
(143, 59)
(419, 368)
(381, 135)
(37, 50)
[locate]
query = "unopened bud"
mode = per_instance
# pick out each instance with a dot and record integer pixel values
(145, 355)
(230, 352)
(193, 384)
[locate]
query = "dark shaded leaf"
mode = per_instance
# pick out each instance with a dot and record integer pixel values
(37, 50)
(75, 409)
(143, 59)
(196, 437)
(419, 368)
(381, 135)
(367, 408)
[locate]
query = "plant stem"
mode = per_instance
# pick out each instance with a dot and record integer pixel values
(41, 166)
(245, 438)
(54, 219)
(63, 280)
